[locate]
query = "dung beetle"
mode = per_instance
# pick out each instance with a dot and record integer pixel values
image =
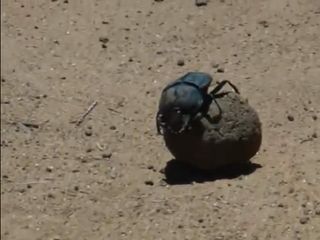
(185, 100)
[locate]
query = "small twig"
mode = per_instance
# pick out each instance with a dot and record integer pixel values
(23, 127)
(113, 110)
(81, 119)
(27, 183)
(100, 147)
(310, 139)
(30, 125)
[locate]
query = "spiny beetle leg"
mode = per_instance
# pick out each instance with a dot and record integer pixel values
(219, 108)
(158, 124)
(221, 85)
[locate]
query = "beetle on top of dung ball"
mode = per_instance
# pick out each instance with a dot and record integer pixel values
(187, 103)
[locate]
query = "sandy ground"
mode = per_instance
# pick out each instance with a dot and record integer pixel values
(106, 179)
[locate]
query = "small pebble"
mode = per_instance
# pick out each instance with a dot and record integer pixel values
(104, 39)
(150, 167)
(49, 169)
(215, 65)
(304, 220)
(291, 190)
(220, 70)
(200, 3)
(106, 155)
(149, 182)
(22, 190)
(290, 118)
(89, 150)
(314, 135)
(88, 132)
(113, 127)
(264, 23)
(50, 195)
(180, 62)
(314, 117)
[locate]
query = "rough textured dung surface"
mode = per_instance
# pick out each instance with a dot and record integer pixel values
(215, 141)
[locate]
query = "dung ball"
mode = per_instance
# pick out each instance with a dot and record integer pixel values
(219, 138)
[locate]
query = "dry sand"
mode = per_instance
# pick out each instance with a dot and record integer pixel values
(104, 178)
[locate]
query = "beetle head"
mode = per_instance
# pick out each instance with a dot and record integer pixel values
(178, 106)
(173, 120)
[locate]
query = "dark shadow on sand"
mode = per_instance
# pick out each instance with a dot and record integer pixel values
(177, 172)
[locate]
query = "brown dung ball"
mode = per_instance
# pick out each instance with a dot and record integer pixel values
(217, 140)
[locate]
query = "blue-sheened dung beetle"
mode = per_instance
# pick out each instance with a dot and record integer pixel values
(185, 100)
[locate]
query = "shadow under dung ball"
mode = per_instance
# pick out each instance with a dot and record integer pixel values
(231, 135)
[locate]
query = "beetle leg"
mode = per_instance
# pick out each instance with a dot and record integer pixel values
(214, 119)
(158, 124)
(220, 95)
(219, 108)
(186, 122)
(221, 85)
